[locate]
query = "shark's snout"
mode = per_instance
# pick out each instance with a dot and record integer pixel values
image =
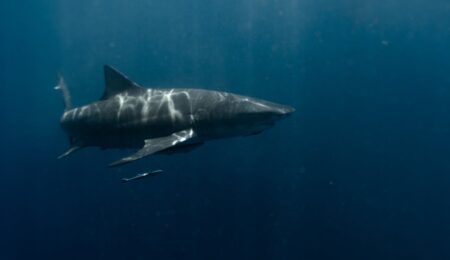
(280, 111)
(286, 110)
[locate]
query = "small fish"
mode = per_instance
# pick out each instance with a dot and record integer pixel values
(142, 175)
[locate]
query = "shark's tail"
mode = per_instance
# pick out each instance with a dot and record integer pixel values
(67, 106)
(65, 91)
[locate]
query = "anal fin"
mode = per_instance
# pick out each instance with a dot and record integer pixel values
(70, 151)
(156, 145)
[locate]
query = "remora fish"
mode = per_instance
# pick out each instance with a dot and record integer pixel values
(141, 176)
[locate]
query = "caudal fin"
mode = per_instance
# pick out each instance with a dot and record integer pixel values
(65, 91)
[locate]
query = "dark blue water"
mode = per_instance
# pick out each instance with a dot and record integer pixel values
(360, 171)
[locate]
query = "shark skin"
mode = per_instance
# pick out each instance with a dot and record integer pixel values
(155, 120)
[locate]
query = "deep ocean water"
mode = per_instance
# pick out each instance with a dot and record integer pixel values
(360, 171)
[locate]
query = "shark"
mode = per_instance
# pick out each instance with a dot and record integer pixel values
(161, 120)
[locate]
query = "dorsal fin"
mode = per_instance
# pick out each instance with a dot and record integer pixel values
(116, 82)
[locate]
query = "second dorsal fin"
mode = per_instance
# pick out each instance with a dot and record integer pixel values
(116, 82)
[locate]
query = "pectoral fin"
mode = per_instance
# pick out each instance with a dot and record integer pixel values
(156, 145)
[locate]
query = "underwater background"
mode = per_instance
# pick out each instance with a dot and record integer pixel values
(360, 171)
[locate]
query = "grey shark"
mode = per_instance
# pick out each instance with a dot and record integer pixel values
(154, 120)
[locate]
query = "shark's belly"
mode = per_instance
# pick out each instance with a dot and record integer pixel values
(132, 132)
